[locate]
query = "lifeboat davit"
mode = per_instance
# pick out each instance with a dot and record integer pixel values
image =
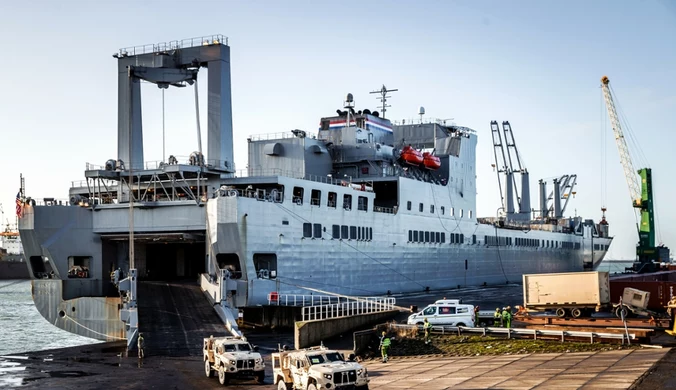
(430, 161)
(411, 156)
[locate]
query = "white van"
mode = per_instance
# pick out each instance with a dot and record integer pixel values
(445, 312)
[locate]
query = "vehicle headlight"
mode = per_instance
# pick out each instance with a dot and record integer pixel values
(359, 372)
(259, 360)
(328, 376)
(233, 362)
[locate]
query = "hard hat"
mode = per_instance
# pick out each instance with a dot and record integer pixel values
(383, 333)
(509, 307)
(497, 308)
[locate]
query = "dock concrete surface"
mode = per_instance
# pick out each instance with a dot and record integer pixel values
(104, 366)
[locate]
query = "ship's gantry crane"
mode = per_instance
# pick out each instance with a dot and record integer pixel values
(641, 193)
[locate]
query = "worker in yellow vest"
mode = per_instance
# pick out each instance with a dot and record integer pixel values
(384, 346)
(427, 327)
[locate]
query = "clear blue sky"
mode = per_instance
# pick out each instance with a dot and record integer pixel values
(534, 63)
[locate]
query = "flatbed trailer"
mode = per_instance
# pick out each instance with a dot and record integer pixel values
(605, 322)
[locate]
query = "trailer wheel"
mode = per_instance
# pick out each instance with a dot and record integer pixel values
(561, 312)
(222, 376)
(282, 386)
(576, 313)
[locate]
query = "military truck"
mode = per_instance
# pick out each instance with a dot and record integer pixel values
(317, 368)
(232, 357)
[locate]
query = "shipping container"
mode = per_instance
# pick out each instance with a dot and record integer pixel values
(566, 291)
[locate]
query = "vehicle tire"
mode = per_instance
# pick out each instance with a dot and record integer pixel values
(222, 376)
(260, 377)
(621, 311)
(207, 369)
(311, 386)
(561, 312)
(576, 313)
(282, 386)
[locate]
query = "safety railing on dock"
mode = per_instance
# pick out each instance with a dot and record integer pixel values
(529, 333)
(351, 308)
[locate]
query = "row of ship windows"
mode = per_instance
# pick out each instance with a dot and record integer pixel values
(421, 208)
(332, 200)
(529, 242)
(601, 247)
(437, 237)
(344, 232)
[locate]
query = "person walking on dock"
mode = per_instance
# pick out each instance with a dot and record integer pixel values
(427, 327)
(384, 346)
(141, 343)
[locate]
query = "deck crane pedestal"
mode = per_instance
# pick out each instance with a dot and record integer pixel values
(648, 256)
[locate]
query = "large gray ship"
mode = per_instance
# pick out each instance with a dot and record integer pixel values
(365, 207)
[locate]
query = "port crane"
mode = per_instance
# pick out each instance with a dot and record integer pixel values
(648, 256)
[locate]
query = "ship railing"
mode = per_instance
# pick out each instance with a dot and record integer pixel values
(260, 194)
(348, 309)
(302, 300)
(279, 135)
(571, 335)
(251, 172)
(216, 39)
(173, 160)
(386, 210)
(83, 183)
(46, 202)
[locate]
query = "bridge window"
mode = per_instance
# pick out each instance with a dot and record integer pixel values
(420, 207)
(317, 230)
(353, 232)
(443, 210)
(336, 231)
(344, 232)
(408, 205)
(307, 230)
(316, 198)
(438, 238)
(347, 202)
(333, 199)
(362, 203)
(432, 208)
(427, 236)
(461, 213)
(470, 214)
(410, 235)
(298, 195)
(443, 238)
(266, 265)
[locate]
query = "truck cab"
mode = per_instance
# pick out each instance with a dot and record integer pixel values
(450, 312)
(317, 368)
(232, 357)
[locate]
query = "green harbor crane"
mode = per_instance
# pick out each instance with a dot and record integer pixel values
(648, 256)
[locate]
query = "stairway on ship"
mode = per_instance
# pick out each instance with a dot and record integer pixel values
(175, 317)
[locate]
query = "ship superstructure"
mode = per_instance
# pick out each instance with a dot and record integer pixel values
(364, 207)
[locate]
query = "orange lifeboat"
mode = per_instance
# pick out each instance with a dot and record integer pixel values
(411, 156)
(430, 161)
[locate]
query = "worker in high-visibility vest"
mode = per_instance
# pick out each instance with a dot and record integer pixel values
(427, 327)
(507, 317)
(497, 317)
(384, 346)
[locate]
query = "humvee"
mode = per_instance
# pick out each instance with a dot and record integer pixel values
(232, 357)
(317, 368)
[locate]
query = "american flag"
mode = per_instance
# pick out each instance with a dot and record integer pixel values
(19, 205)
